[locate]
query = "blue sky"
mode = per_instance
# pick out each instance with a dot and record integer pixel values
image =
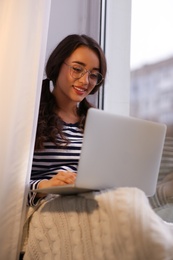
(151, 31)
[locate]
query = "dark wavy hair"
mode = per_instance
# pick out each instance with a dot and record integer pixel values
(49, 124)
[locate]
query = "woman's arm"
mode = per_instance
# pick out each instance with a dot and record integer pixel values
(61, 178)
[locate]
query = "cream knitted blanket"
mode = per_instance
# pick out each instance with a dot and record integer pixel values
(114, 224)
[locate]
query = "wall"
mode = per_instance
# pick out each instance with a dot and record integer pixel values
(118, 24)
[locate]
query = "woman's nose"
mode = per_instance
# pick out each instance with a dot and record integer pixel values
(85, 78)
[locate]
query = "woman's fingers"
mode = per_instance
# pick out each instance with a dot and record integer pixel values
(63, 178)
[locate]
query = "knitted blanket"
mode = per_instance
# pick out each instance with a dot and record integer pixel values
(113, 224)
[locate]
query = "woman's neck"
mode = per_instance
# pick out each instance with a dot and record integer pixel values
(68, 114)
(66, 108)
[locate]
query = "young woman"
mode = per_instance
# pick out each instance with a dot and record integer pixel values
(76, 68)
(112, 224)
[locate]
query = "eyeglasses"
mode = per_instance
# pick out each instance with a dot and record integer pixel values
(77, 72)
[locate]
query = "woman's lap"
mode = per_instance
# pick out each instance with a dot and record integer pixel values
(115, 224)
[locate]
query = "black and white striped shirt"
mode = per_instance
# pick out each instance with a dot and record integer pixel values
(47, 162)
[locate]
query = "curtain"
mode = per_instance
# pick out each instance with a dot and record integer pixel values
(23, 37)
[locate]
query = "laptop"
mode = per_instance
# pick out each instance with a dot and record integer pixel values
(117, 151)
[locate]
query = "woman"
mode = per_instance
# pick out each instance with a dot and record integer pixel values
(113, 224)
(77, 68)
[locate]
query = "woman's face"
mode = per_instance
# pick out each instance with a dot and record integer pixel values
(67, 87)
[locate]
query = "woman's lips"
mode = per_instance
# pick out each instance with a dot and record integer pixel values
(80, 90)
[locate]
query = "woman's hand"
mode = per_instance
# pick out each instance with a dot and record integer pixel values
(61, 178)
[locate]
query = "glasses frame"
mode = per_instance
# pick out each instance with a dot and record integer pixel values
(83, 73)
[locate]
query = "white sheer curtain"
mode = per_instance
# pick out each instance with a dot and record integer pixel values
(23, 37)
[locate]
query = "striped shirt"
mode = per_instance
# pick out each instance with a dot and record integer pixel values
(51, 160)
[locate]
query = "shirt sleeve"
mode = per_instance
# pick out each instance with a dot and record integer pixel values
(33, 200)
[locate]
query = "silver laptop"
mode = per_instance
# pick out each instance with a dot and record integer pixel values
(117, 151)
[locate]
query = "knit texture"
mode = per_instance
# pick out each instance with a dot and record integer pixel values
(114, 224)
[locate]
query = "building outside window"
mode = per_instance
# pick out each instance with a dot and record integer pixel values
(151, 95)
